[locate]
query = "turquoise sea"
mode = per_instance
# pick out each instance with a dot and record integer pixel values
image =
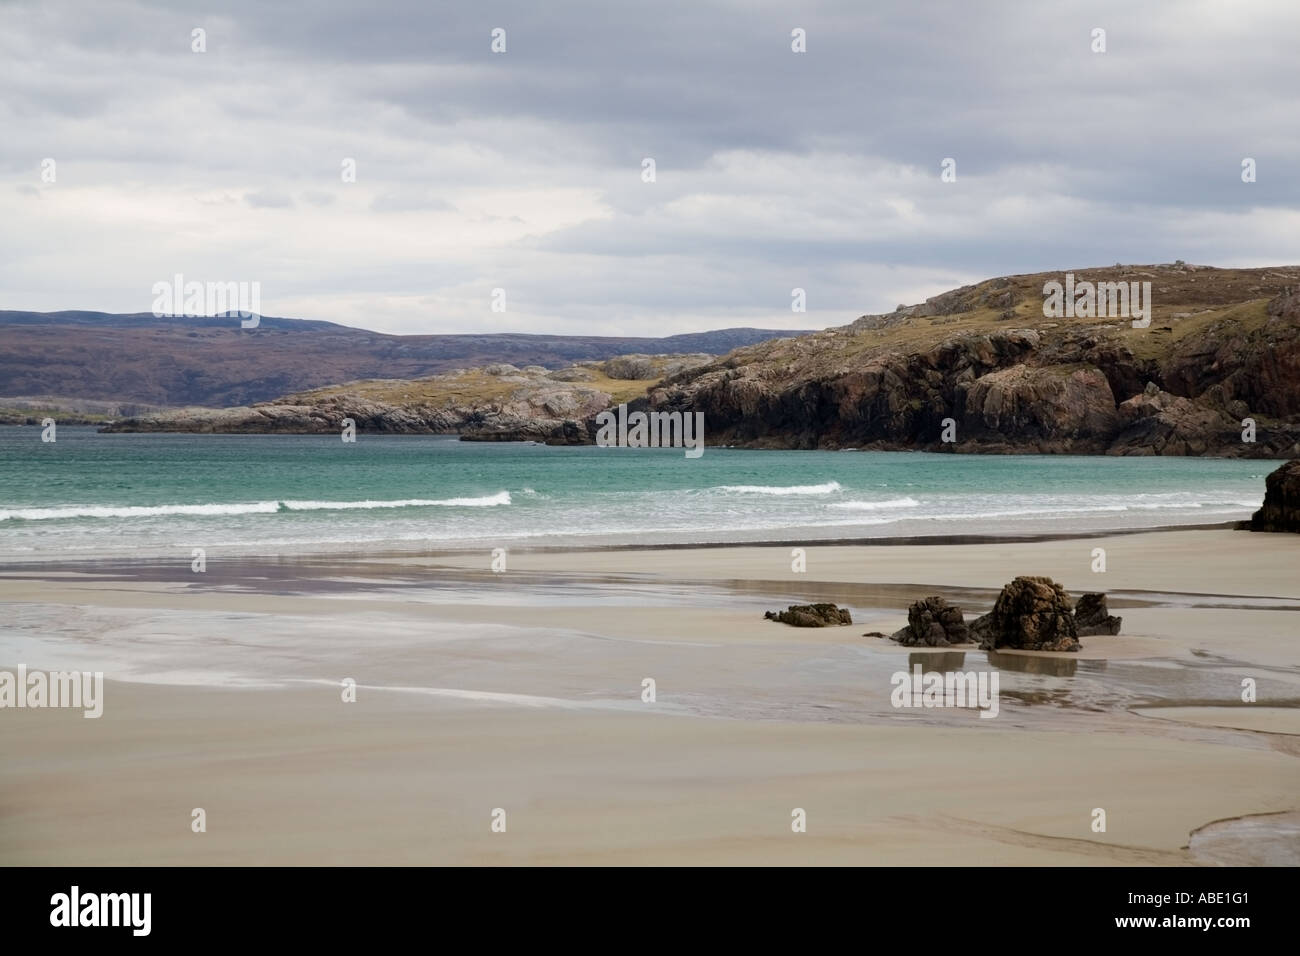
(88, 494)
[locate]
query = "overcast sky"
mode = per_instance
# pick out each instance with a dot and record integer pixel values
(522, 170)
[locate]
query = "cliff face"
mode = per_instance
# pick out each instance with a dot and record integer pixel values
(1215, 354)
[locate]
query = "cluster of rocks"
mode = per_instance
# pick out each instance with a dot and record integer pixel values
(1031, 613)
(811, 615)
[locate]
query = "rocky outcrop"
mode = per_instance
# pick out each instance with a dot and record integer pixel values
(1031, 614)
(933, 622)
(1073, 404)
(811, 615)
(1229, 351)
(1092, 617)
(1233, 361)
(647, 367)
(1281, 508)
(498, 402)
(321, 417)
(1157, 422)
(895, 397)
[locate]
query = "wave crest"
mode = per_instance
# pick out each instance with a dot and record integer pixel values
(242, 508)
(829, 488)
(876, 505)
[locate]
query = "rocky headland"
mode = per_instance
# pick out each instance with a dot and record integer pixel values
(979, 369)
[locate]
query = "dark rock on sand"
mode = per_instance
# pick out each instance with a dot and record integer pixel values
(1031, 614)
(933, 622)
(1281, 508)
(1092, 617)
(811, 615)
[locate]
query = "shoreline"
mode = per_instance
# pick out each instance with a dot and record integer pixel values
(8, 564)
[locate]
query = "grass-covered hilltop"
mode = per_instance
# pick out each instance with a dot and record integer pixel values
(1218, 363)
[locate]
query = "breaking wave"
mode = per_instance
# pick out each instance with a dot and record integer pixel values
(242, 508)
(829, 488)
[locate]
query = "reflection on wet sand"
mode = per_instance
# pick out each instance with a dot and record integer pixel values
(1030, 664)
(937, 661)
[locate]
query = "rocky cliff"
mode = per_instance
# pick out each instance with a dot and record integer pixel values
(979, 369)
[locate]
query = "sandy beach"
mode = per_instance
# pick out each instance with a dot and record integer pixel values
(523, 691)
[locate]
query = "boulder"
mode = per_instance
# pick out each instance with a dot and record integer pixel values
(1281, 508)
(573, 373)
(1092, 617)
(1059, 402)
(1031, 614)
(811, 615)
(1158, 423)
(630, 367)
(933, 622)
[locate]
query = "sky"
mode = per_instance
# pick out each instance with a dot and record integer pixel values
(524, 170)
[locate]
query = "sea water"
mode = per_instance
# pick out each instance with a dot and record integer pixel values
(89, 494)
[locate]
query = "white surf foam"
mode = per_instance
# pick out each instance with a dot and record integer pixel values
(876, 505)
(242, 508)
(829, 488)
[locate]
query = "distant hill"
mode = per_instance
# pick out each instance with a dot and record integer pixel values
(211, 361)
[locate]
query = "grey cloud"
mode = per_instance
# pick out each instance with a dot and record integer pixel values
(1136, 152)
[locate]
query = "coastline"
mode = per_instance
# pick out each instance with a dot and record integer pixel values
(525, 545)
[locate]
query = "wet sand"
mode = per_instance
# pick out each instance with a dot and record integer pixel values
(523, 691)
